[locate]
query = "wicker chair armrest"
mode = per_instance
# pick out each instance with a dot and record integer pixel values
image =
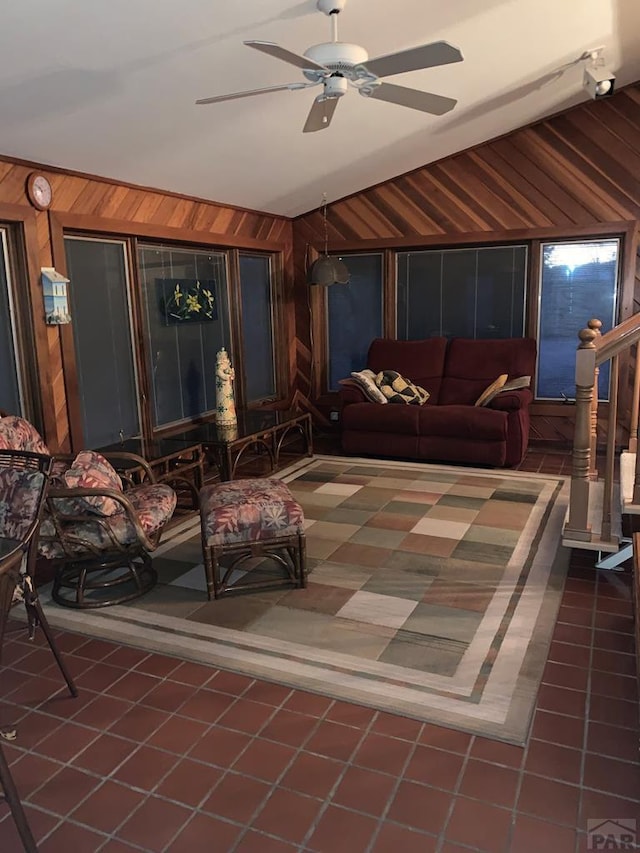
(116, 458)
(136, 461)
(80, 492)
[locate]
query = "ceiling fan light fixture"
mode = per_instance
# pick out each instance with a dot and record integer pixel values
(325, 271)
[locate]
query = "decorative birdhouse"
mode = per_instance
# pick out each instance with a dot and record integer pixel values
(54, 291)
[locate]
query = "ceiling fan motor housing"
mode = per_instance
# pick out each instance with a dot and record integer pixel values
(331, 7)
(337, 56)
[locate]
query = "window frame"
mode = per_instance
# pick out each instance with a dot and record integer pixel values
(67, 224)
(14, 318)
(277, 323)
(30, 335)
(77, 426)
(614, 314)
(625, 231)
(384, 320)
(477, 249)
(145, 338)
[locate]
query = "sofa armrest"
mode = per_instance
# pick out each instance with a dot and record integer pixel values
(510, 401)
(351, 394)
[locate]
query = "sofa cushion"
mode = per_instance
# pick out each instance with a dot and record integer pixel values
(471, 365)
(422, 362)
(372, 417)
(470, 422)
(153, 504)
(461, 451)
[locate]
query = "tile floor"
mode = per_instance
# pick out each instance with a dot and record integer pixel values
(157, 754)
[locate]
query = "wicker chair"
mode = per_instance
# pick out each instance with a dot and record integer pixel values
(98, 529)
(23, 484)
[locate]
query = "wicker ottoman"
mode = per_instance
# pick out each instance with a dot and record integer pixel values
(245, 519)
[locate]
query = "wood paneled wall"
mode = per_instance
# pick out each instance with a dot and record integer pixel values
(92, 204)
(576, 174)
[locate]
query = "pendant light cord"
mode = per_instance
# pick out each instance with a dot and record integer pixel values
(326, 225)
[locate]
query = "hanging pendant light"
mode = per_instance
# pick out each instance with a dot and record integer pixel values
(326, 270)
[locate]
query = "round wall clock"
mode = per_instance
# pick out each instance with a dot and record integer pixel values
(39, 191)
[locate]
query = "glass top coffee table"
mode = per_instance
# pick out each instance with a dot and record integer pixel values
(262, 431)
(177, 465)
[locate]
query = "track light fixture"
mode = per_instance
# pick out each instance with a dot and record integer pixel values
(598, 80)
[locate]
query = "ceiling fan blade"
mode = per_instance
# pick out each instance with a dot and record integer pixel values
(320, 114)
(415, 99)
(235, 95)
(285, 55)
(413, 59)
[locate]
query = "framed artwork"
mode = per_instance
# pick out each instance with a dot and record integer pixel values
(187, 300)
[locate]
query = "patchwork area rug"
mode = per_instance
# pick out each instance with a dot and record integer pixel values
(433, 592)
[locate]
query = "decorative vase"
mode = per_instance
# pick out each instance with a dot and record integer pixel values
(225, 403)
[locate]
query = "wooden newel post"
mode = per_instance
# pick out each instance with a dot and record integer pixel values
(577, 526)
(595, 325)
(635, 404)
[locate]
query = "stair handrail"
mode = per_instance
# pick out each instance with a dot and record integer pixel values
(618, 339)
(594, 350)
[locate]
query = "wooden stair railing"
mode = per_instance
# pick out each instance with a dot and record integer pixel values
(586, 527)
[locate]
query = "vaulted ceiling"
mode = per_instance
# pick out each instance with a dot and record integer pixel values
(108, 87)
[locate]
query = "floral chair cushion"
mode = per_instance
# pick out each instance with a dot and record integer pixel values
(19, 496)
(153, 505)
(249, 510)
(18, 434)
(90, 470)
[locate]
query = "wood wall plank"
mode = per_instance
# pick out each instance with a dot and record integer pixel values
(571, 175)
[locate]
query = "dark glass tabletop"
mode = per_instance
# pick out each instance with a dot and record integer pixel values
(251, 423)
(157, 448)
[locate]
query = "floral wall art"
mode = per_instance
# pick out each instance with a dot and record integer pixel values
(187, 300)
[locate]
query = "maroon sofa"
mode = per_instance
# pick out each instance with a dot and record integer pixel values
(449, 427)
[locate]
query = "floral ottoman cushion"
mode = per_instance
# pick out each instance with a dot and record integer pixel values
(248, 511)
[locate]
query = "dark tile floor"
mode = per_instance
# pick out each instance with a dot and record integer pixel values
(157, 754)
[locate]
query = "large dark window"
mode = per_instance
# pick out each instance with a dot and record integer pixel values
(187, 318)
(100, 319)
(354, 314)
(578, 282)
(467, 293)
(257, 327)
(10, 394)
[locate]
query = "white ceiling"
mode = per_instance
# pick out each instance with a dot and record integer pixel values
(108, 87)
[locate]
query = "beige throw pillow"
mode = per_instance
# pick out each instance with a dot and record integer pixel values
(490, 392)
(366, 380)
(516, 384)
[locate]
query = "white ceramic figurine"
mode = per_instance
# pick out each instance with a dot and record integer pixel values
(225, 403)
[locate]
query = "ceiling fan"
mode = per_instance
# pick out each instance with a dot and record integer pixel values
(337, 65)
